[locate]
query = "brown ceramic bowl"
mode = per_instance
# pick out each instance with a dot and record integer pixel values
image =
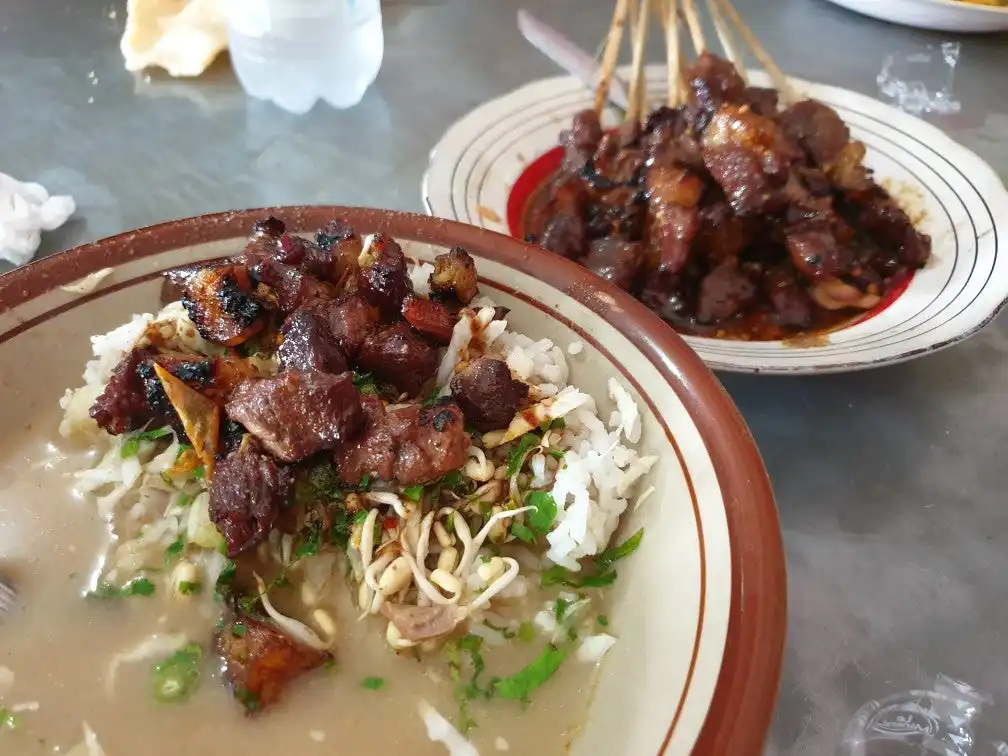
(697, 665)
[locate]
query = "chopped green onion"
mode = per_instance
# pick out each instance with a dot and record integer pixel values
(557, 454)
(223, 586)
(311, 541)
(519, 686)
(174, 550)
(8, 719)
(602, 620)
(541, 520)
(522, 533)
(598, 581)
(184, 499)
(187, 588)
(560, 608)
(178, 676)
(341, 528)
(373, 683)
(138, 587)
(526, 632)
(558, 575)
(365, 383)
(248, 604)
(507, 632)
(199, 472)
(131, 446)
(247, 698)
(238, 630)
(413, 493)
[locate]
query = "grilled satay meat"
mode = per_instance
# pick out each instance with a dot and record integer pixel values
(308, 344)
(383, 278)
(454, 277)
(248, 491)
(292, 288)
(123, 405)
(221, 302)
(295, 415)
(372, 452)
(488, 394)
(713, 82)
(260, 661)
(674, 194)
(724, 293)
(398, 356)
(580, 141)
(616, 261)
(351, 320)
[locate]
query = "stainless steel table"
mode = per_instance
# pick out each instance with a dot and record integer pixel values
(891, 484)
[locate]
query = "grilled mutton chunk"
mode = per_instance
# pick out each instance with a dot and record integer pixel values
(295, 415)
(308, 344)
(248, 491)
(292, 288)
(429, 318)
(412, 444)
(398, 356)
(260, 661)
(615, 260)
(487, 394)
(724, 292)
(123, 405)
(454, 276)
(350, 322)
(674, 194)
(383, 278)
(221, 302)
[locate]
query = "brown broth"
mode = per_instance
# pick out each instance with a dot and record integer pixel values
(60, 644)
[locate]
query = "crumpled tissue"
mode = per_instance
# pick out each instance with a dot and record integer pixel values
(26, 210)
(181, 36)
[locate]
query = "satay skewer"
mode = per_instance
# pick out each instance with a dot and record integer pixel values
(692, 19)
(727, 40)
(611, 54)
(673, 53)
(638, 85)
(777, 76)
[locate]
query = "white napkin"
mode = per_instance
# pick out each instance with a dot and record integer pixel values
(26, 210)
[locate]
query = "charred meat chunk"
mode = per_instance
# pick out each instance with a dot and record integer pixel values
(748, 160)
(384, 279)
(673, 196)
(412, 444)
(248, 491)
(308, 344)
(615, 260)
(398, 356)
(221, 303)
(454, 276)
(350, 322)
(123, 405)
(429, 318)
(791, 303)
(816, 252)
(373, 451)
(714, 81)
(581, 140)
(566, 235)
(817, 128)
(293, 289)
(488, 395)
(260, 661)
(430, 441)
(296, 414)
(724, 292)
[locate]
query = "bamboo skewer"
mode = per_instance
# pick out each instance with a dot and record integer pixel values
(726, 39)
(780, 80)
(638, 85)
(673, 55)
(694, 25)
(611, 54)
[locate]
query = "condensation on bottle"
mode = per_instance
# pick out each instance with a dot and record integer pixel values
(297, 52)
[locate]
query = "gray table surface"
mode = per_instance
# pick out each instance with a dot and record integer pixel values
(891, 484)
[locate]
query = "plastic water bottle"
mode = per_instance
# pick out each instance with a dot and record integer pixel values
(296, 52)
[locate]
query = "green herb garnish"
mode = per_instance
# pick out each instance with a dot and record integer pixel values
(602, 620)
(373, 683)
(541, 520)
(341, 528)
(178, 676)
(8, 719)
(223, 585)
(247, 698)
(519, 686)
(526, 632)
(174, 550)
(560, 607)
(606, 559)
(188, 588)
(516, 458)
(199, 472)
(131, 446)
(238, 630)
(507, 632)
(471, 646)
(413, 493)
(365, 383)
(557, 454)
(522, 533)
(311, 541)
(136, 587)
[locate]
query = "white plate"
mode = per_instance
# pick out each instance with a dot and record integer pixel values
(963, 203)
(940, 15)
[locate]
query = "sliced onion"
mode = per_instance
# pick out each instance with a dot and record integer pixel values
(297, 630)
(89, 746)
(594, 647)
(440, 730)
(89, 283)
(200, 416)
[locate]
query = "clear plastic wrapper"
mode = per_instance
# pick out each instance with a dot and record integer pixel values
(921, 81)
(937, 722)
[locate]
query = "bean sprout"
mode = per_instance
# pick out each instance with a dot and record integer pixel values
(367, 539)
(497, 585)
(425, 586)
(474, 546)
(389, 499)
